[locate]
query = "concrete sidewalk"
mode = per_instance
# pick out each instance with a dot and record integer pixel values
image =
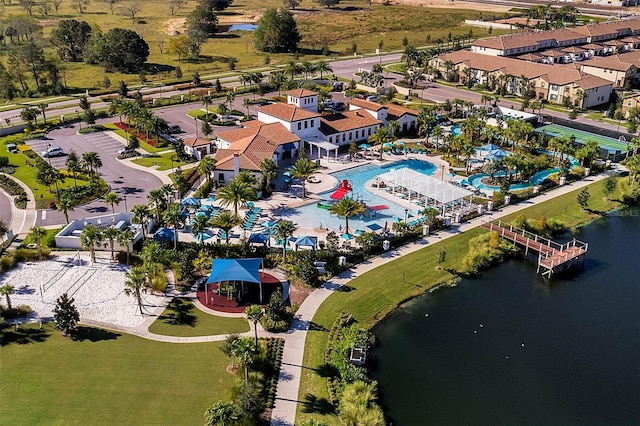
(284, 412)
(22, 220)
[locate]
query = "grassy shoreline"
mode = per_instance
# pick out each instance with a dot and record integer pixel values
(370, 298)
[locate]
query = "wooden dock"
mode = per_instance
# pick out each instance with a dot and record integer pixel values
(551, 255)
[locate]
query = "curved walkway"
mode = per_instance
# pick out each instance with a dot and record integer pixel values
(22, 220)
(284, 412)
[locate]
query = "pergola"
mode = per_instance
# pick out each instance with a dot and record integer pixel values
(322, 145)
(417, 187)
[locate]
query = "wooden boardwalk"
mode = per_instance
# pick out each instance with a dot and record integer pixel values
(551, 255)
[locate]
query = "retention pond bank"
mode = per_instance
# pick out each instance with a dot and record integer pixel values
(513, 348)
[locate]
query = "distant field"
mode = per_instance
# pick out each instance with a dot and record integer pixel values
(354, 21)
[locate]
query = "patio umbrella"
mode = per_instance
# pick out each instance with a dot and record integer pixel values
(200, 214)
(346, 236)
(387, 145)
(287, 173)
(401, 143)
(268, 224)
(498, 153)
(190, 201)
(202, 236)
(374, 227)
(489, 147)
(364, 146)
(359, 232)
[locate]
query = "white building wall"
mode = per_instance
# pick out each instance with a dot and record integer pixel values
(487, 51)
(309, 103)
(306, 129)
(268, 119)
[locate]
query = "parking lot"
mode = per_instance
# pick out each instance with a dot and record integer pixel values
(133, 185)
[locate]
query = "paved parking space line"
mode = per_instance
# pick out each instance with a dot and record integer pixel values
(44, 214)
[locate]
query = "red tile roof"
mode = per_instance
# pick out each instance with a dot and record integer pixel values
(362, 103)
(345, 121)
(288, 113)
(301, 93)
(193, 142)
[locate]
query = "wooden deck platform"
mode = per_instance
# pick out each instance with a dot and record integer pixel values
(551, 255)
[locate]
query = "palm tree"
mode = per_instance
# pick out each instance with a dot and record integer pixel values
(37, 233)
(380, 137)
(437, 133)
(283, 231)
(173, 216)
(157, 198)
(254, 313)
(230, 97)
(111, 234)
(322, 67)
(394, 126)
(135, 282)
(7, 290)
(308, 68)
(246, 102)
(199, 226)
(91, 236)
(206, 101)
(236, 193)
(269, 170)
(92, 162)
(223, 110)
(167, 191)
(346, 208)
(245, 350)
(293, 68)
(73, 165)
(65, 205)
(207, 166)
(302, 169)
(113, 199)
(141, 215)
(125, 238)
(226, 221)
(277, 79)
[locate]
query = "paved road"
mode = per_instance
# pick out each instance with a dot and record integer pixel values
(128, 182)
(5, 208)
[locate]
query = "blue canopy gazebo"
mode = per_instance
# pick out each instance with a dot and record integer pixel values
(163, 234)
(489, 147)
(306, 241)
(259, 238)
(190, 202)
(242, 270)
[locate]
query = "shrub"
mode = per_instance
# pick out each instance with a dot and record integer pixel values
(21, 311)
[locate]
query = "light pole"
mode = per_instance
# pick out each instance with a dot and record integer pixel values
(406, 214)
(442, 174)
(124, 197)
(79, 122)
(196, 120)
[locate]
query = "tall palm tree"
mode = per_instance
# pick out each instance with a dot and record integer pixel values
(283, 231)
(302, 169)
(206, 101)
(277, 79)
(245, 350)
(7, 290)
(308, 68)
(347, 207)
(125, 238)
(167, 191)
(37, 233)
(91, 236)
(269, 170)
(437, 133)
(293, 68)
(230, 97)
(246, 102)
(173, 216)
(134, 284)
(111, 234)
(322, 67)
(157, 198)
(141, 215)
(380, 137)
(112, 199)
(236, 193)
(73, 165)
(254, 313)
(226, 221)
(65, 205)
(207, 166)
(199, 226)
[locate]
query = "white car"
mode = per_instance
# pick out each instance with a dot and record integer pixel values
(54, 151)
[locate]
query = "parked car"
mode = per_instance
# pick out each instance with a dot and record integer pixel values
(328, 103)
(125, 150)
(339, 106)
(373, 98)
(12, 148)
(173, 128)
(54, 151)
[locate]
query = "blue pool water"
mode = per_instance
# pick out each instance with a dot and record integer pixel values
(310, 216)
(455, 130)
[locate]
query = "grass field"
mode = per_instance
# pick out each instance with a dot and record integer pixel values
(183, 319)
(162, 162)
(353, 21)
(610, 144)
(107, 379)
(374, 294)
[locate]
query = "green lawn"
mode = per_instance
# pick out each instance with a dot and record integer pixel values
(107, 378)
(376, 293)
(143, 145)
(27, 174)
(181, 318)
(47, 241)
(162, 162)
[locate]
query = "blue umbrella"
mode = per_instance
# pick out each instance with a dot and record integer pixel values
(401, 143)
(287, 173)
(364, 146)
(358, 232)
(346, 236)
(498, 153)
(268, 224)
(387, 145)
(374, 227)
(202, 237)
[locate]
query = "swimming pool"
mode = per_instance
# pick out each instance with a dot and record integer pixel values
(310, 216)
(455, 130)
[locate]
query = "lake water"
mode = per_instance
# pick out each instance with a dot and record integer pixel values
(509, 348)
